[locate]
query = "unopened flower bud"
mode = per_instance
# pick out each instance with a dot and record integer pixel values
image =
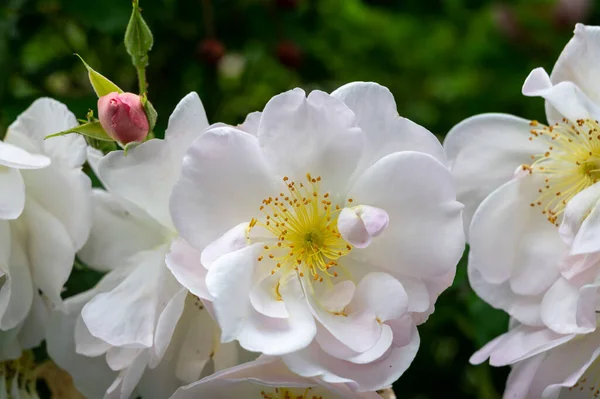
(123, 118)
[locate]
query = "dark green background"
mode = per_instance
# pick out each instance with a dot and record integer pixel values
(444, 60)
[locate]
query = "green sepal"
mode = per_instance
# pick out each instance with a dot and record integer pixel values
(138, 37)
(93, 130)
(151, 113)
(102, 85)
(129, 146)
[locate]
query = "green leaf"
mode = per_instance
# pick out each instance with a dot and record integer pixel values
(151, 113)
(138, 37)
(102, 85)
(92, 129)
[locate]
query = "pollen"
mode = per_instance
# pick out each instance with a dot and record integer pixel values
(302, 231)
(20, 375)
(289, 393)
(570, 163)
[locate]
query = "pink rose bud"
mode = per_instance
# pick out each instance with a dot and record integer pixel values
(123, 117)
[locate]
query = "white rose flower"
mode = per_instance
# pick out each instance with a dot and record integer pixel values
(45, 218)
(546, 364)
(266, 378)
(138, 330)
(520, 260)
(321, 230)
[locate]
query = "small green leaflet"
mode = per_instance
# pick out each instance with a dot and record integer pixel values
(92, 129)
(102, 85)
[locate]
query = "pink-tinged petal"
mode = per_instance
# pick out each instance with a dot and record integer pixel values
(315, 134)
(425, 234)
(231, 241)
(528, 250)
(218, 166)
(483, 152)
(277, 336)
(15, 157)
(187, 122)
(385, 131)
(359, 224)
(265, 298)
(12, 199)
(578, 61)
(229, 281)
(562, 99)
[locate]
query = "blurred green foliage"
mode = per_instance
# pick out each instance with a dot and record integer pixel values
(444, 60)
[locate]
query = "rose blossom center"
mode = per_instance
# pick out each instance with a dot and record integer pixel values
(290, 393)
(570, 164)
(302, 225)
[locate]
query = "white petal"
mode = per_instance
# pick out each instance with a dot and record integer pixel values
(91, 376)
(12, 199)
(165, 326)
(251, 123)
(588, 238)
(570, 306)
(16, 294)
(187, 122)
(371, 376)
(263, 297)
(520, 377)
(128, 379)
(229, 281)
(578, 61)
(44, 117)
(425, 233)
(184, 263)
(127, 314)
(119, 358)
(385, 131)
(119, 230)
(316, 135)
(483, 152)
(66, 194)
(382, 294)
(337, 297)
(198, 340)
(520, 343)
(563, 98)
(276, 336)
(219, 166)
(15, 157)
(528, 249)
(85, 343)
(577, 210)
(359, 224)
(358, 330)
(231, 241)
(50, 251)
(33, 331)
(145, 177)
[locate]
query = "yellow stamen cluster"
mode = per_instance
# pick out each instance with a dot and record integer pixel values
(570, 164)
(21, 372)
(303, 224)
(290, 393)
